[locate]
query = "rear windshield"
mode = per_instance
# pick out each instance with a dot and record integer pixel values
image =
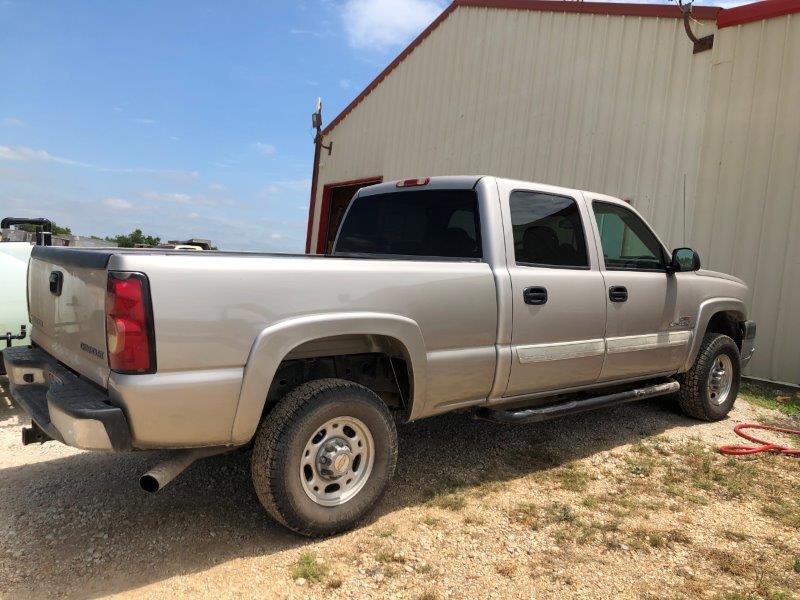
(430, 223)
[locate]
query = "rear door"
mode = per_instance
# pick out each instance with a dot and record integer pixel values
(67, 289)
(643, 333)
(558, 302)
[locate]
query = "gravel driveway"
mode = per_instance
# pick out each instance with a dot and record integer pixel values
(476, 510)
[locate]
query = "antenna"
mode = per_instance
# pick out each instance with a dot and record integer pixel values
(316, 123)
(684, 209)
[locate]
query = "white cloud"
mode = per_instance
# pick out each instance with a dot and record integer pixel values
(265, 149)
(345, 84)
(13, 122)
(217, 187)
(117, 203)
(32, 154)
(296, 184)
(272, 189)
(168, 197)
(382, 24)
(145, 121)
(25, 153)
(302, 186)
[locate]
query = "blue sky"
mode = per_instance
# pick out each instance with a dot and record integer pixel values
(182, 118)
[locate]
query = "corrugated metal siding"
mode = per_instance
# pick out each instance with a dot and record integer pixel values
(613, 104)
(747, 216)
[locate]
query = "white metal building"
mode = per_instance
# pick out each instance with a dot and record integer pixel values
(609, 98)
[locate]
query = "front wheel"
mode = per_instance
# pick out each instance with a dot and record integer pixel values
(709, 388)
(324, 456)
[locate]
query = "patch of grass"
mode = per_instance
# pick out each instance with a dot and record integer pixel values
(690, 448)
(572, 477)
(308, 568)
(424, 568)
(560, 513)
(589, 501)
(487, 487)
(334, 583)
(784, 511)
(641, 538)
(796, 564)
(450, 498)
(474, 520)
(428, 595)
(431, 521)
(389, 557)
(640, 466)
(785, 400)
(589, 532)
(386, 532)
(735, 536)
(728, 562)
(506, 568)
(527, 514)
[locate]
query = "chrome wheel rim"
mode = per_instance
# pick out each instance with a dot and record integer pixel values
(337, 461)
(720, 379)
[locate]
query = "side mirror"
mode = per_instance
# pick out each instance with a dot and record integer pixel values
(684, 259)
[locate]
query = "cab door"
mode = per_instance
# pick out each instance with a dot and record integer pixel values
(644, 334)
(558, 303)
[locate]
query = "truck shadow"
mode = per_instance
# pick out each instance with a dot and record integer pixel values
(78, 526)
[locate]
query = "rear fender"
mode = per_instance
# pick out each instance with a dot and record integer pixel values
(275, 342)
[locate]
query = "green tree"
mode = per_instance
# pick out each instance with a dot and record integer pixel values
(57, 229)
(133, 239)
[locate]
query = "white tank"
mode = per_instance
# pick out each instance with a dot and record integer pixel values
(13, 305)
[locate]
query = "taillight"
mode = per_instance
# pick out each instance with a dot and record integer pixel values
(129, 324)
(413, 182)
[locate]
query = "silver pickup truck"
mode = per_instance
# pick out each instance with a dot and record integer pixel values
(517, 301)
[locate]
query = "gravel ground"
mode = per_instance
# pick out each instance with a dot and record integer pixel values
(629, 502)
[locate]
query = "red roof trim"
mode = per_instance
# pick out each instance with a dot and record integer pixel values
(757, 11)
(597, 8)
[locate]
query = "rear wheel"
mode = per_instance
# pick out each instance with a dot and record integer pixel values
(323, 456)
(709, 389)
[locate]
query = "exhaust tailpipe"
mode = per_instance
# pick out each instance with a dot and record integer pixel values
(167, 470)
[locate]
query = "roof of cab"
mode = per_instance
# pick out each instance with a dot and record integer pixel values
(466, 182)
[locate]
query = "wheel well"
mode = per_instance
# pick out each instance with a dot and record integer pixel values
(379, 363)
(726, 323)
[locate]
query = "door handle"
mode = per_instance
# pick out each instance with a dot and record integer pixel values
(618, 293)
(535, 295)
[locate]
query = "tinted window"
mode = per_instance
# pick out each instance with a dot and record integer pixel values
(627, 242)
(437, 223)
(547, 230)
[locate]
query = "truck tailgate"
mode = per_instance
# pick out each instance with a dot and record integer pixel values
(67, 289)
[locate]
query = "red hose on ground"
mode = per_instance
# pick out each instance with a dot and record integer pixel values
(739, 450)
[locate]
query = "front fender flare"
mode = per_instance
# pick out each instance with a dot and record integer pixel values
(277, 340)
(708, 309)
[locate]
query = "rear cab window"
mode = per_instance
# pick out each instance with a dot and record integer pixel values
(435, 224)
(548, 231)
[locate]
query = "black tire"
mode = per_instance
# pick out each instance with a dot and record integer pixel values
(279, 446)
(694, 396)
